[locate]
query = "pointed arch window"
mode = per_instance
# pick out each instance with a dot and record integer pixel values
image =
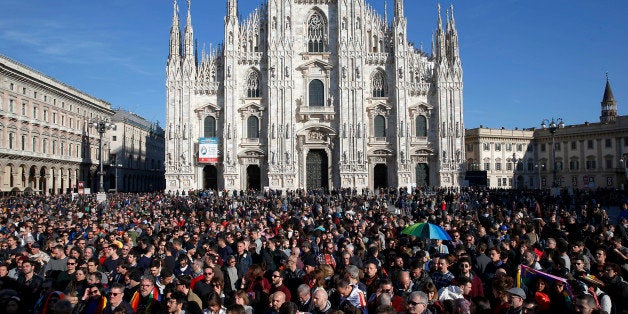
(252, 127)
(380, 88)
(317, 33)
(380, 126)
(421, 126)
(316, 93)
(209, 127)
(252, 85)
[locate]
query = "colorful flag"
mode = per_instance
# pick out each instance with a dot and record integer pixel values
(526, 276)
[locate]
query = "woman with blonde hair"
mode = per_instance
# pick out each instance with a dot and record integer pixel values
(242, 298)
(433, 304)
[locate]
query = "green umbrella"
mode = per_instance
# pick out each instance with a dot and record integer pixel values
(425, 230)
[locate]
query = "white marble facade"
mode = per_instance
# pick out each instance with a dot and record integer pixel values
(315, 94)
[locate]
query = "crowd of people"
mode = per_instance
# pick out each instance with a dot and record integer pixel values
(339, 251)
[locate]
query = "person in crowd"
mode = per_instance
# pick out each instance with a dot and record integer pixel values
(320, 301)
(278, 285)
(616, 287)
(242, 298)
(465, 271)
(277, 299)
(417, 303)
(585, 303)
(352, 300)
(442, 277)
(516, 296)
(116, 301)
(176, 303)
(183, 286)
(147, 300)
(290, 232)
(304, 302)
(93, 300)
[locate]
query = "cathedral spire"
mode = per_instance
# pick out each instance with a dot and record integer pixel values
(175, 33)
(453, 37)
(399, 9)
(189, 34)
(609, 105)
(232, 8)
(386, 11)
(440, 37)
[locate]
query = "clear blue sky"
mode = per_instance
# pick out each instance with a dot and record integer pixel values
(523, 60)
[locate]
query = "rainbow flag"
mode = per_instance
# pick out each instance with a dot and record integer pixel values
(526, 276)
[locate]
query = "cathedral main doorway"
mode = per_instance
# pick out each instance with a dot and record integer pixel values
(422, 175)
(253, 178)
(210, 177)
(316, 171)
(380, 176)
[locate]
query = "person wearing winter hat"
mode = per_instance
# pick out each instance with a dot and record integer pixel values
(515, 299)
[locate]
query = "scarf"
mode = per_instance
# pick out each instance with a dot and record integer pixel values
(135, 301)
(97, 307)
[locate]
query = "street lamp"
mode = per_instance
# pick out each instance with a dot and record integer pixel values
(553, 126)
(116, 166)
(101, 125)
(539, 166)
(623, 170)
(514, 170)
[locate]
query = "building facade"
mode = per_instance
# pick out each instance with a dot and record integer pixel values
(501, 153)
(588, 155)
(46, 143)
(136, 154)
(314, 94)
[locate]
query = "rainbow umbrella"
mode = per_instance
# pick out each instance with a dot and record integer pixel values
(425, 230)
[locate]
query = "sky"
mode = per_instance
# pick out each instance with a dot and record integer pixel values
(523, 61)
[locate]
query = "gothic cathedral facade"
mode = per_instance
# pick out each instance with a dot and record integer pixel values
(310, 94)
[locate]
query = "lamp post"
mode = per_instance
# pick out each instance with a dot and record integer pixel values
(116, 166)
(622, 163)
(514, 170)
(538, 166)
(101, 125)
(552, 127)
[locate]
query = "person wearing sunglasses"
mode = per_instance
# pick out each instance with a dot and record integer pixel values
(116, 300)
(93, 300)
(417, 303)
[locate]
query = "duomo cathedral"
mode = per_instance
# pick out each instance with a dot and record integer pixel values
(314, 94)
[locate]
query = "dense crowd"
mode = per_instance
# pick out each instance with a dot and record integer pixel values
(315, 252)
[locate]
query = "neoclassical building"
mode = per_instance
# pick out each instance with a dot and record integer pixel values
(587, 155)
(46, 144)
(314, 94)
(136, 154)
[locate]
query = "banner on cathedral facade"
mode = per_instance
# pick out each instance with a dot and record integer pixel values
(208, 150)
